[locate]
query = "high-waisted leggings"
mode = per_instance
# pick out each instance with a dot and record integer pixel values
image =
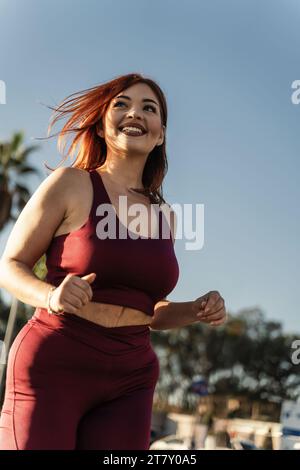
(72, 384)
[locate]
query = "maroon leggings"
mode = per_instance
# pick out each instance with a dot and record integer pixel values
(73, 384)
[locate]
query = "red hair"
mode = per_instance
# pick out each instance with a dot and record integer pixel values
(86, 109)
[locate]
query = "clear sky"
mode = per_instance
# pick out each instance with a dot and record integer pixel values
(233, 132)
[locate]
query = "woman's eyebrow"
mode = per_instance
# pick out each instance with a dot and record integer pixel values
(144, 99)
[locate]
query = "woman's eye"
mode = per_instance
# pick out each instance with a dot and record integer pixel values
(152, 107)
(147, 105)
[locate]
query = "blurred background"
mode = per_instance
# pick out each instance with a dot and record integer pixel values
(228, 70)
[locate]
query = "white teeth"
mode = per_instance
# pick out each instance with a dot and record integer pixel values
(132, 129)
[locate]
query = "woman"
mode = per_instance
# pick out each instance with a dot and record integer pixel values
(82, 372)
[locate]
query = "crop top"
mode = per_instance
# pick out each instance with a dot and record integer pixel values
(132, 272)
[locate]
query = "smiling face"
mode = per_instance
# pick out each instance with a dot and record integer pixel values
(138, 105)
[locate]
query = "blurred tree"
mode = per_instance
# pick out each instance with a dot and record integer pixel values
(14, 195)
(248, 356)
(13, 167)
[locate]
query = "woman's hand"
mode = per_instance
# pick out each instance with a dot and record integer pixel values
(72, 294)
(210, 308)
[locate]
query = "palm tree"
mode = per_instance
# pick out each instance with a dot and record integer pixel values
(13, 159)
(14, 194)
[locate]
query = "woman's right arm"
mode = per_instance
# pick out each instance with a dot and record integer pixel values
(32, 234)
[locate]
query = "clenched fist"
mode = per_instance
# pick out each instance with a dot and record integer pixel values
(72, 294)
(210, 308)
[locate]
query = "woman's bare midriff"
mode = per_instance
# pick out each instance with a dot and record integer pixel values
(110, 315)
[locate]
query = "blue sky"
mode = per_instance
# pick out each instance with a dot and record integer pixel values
(233, 132)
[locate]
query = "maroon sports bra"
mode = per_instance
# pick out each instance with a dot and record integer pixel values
(130, 272)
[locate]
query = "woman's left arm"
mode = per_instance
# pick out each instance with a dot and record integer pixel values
(209, 308)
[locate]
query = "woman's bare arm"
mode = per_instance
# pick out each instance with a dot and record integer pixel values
(32, 234)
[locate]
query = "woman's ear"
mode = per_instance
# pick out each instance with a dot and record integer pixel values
(162, 136)
(99, 129)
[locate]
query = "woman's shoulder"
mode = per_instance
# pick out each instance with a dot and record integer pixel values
(69, 178)
(72, 183)
(69, 172)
